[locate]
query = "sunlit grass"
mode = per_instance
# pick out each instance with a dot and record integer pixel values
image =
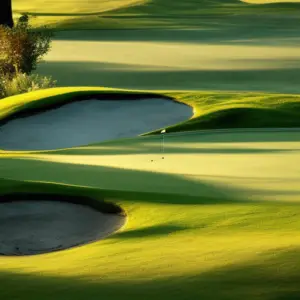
(243, 165)
(218, 218)
(166, 238)
(72, 7)
(217, 205)
(73, 14)
(174, 56)
(13, 104)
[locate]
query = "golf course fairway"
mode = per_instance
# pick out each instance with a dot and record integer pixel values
(212, 206)
(218, 207)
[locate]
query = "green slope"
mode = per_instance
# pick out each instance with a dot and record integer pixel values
(239, 110)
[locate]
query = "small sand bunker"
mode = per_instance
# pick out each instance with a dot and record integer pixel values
(91, 121)
(35, 227)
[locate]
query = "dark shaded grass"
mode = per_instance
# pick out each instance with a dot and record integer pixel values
(84, 180)
(273, 275)
(87, 180)
(241, 118)
(275, 80)
(153, 231)
(97, 204)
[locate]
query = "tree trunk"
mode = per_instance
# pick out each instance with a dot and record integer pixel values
(6, 13)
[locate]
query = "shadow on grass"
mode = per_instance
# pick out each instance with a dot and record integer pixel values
(158, 230)
(185, 143)
(272, 276)
(109, 182)
(243, 118)
(169, 149)
(202, 27)
(127, 184)
(281, 80)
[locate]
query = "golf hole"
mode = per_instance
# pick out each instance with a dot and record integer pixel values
(36, 224)
(84, 122)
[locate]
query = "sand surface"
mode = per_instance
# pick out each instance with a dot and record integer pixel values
(33, 227)
(91, 121)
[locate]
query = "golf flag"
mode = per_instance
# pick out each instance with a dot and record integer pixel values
(163, 131)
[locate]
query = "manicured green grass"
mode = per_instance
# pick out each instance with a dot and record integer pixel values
(72, 14)
(217, 218)
(239, 110)
(204, 45)
(212, 110)
(218, 59)
(42, 99)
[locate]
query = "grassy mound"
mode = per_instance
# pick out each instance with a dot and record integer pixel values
(33, 102)
(239, 110)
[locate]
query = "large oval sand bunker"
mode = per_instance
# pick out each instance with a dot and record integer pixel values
(42, 226)
(91, 121)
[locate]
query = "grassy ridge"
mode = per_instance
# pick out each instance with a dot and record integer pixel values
(212, 110)
(43, 99)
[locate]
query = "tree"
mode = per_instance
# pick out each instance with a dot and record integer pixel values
(6, 17)
(21, 48)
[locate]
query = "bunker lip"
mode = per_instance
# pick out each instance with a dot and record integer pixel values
(87, 120)
(99, 205)
(82, 96)
(38, 223)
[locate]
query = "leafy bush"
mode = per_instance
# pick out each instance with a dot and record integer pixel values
(21, 48)
(23, 83)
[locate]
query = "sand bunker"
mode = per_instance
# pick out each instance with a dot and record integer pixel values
(35, 227)
(85, 122)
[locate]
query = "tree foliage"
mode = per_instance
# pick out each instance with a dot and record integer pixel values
(21, 47)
